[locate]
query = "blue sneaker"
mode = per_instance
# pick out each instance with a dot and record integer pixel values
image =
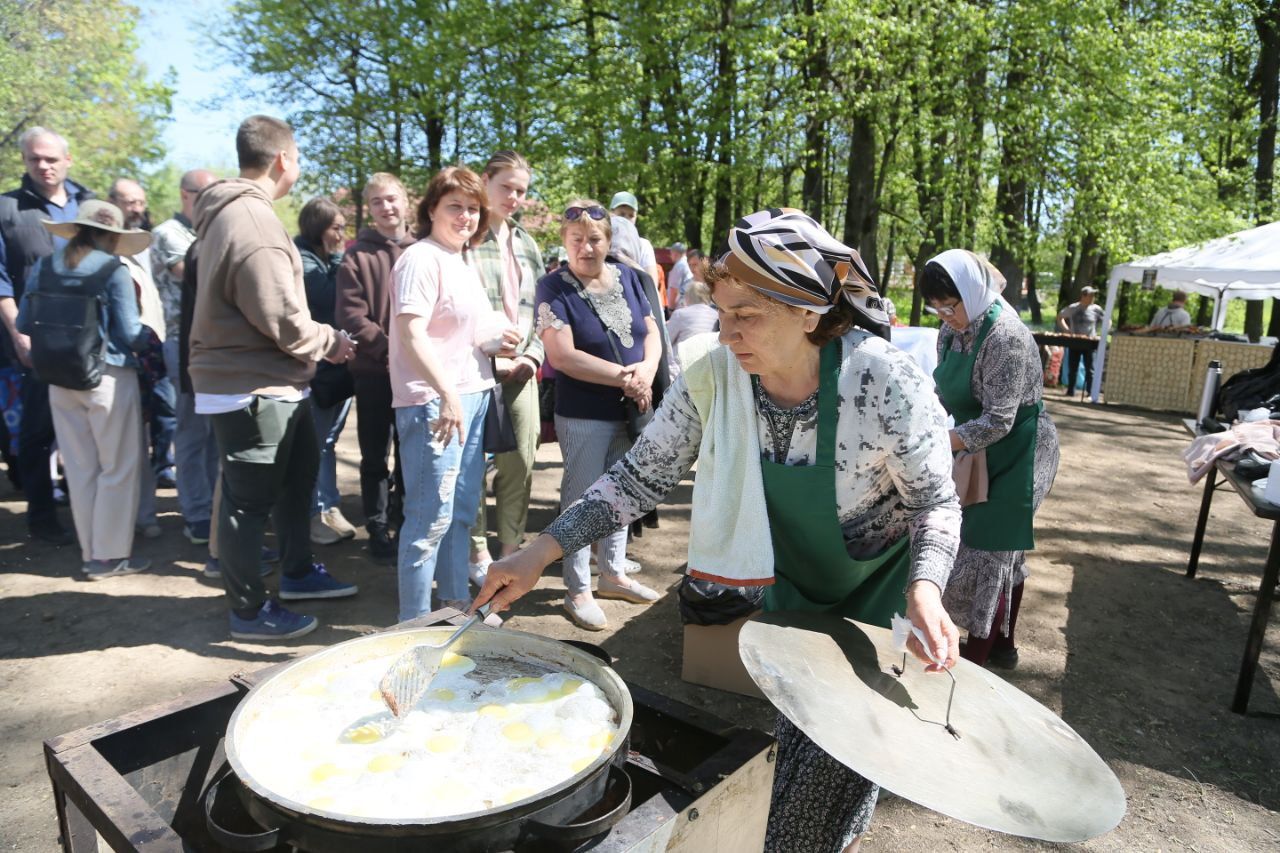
(316, 583)
(270, 555)
(273, 622)
(197, 532)
(213, 569)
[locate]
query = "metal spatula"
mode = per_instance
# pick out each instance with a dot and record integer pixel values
(409, 677)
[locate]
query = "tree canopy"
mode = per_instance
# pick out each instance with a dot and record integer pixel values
(1054, 135)
(69, 65)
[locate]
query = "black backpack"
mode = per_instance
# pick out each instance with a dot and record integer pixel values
(68, 342)
(1251, 389)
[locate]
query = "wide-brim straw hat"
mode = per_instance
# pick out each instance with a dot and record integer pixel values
(104, 216)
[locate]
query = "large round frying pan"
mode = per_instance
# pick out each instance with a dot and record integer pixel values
(548, 813)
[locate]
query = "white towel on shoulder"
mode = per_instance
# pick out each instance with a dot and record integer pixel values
(729, 536)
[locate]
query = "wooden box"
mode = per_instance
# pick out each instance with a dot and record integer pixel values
(711, 658)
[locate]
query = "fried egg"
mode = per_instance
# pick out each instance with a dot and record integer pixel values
(470, 744)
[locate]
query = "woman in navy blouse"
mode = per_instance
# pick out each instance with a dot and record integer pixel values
(595, 323)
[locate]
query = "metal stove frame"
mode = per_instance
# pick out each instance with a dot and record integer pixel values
(136, 782)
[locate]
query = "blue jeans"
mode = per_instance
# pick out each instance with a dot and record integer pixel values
(329, 423)
(195, 449)
(442, 488)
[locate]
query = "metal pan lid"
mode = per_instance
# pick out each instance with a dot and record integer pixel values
(1012, 765)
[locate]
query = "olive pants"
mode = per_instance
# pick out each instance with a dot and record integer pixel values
(513, 482)
(269, 458)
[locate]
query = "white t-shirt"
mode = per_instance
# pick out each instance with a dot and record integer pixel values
(677, 280)
(432, 282)
(647, 258)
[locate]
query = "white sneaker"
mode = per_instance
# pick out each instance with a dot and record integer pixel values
(338, 523)
(629, 565)
(479, 570)
(627, 590)
(322, 533)
(588, 616)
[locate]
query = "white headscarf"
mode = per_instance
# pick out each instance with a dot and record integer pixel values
(979, 283)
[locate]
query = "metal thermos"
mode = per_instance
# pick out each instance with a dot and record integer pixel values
(1212, 381)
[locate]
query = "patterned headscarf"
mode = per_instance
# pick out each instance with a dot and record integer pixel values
(784, 254)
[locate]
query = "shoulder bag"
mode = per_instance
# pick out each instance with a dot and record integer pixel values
(499, 429)
(636, 419)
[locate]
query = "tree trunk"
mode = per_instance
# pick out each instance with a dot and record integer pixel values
(816, 73)
(861, 212)
(1204, 310)
(726, 84)
(1253, 316)
(926, 251)
(1064, 281)
(887, 277)
(1033, 296)
(972, 170)
(1011, 185)
(435, 143)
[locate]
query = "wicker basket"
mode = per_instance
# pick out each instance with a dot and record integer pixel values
(1154, 373)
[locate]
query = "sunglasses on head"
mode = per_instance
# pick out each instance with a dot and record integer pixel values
(595, 211)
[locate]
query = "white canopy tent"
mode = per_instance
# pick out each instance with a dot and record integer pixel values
(1244, 265)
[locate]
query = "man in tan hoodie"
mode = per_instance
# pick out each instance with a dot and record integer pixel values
(254, 348)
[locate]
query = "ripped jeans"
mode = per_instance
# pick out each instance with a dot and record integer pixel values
(443, 486)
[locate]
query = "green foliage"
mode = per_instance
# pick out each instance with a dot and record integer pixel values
(69, 65)
(1126, 128)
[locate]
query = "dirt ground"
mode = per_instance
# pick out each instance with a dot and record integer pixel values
(1137, 658)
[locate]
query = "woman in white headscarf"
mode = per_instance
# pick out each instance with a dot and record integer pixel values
(989, 379)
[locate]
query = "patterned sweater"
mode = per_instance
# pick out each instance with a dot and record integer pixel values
(1006, 375)
(893, 461)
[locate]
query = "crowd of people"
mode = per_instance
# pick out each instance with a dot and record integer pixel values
(217, 354)
(205, 367)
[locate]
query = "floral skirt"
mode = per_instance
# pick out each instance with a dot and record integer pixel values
(818, 805)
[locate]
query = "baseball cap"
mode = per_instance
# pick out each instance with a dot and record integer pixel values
(1088, 289)
(624, 197)
(677, 247)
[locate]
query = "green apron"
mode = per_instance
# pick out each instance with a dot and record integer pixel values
(812, 567)
(1003, 522)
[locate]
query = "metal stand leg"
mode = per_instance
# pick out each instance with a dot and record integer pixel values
(1258, 627)
(1210, 483)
